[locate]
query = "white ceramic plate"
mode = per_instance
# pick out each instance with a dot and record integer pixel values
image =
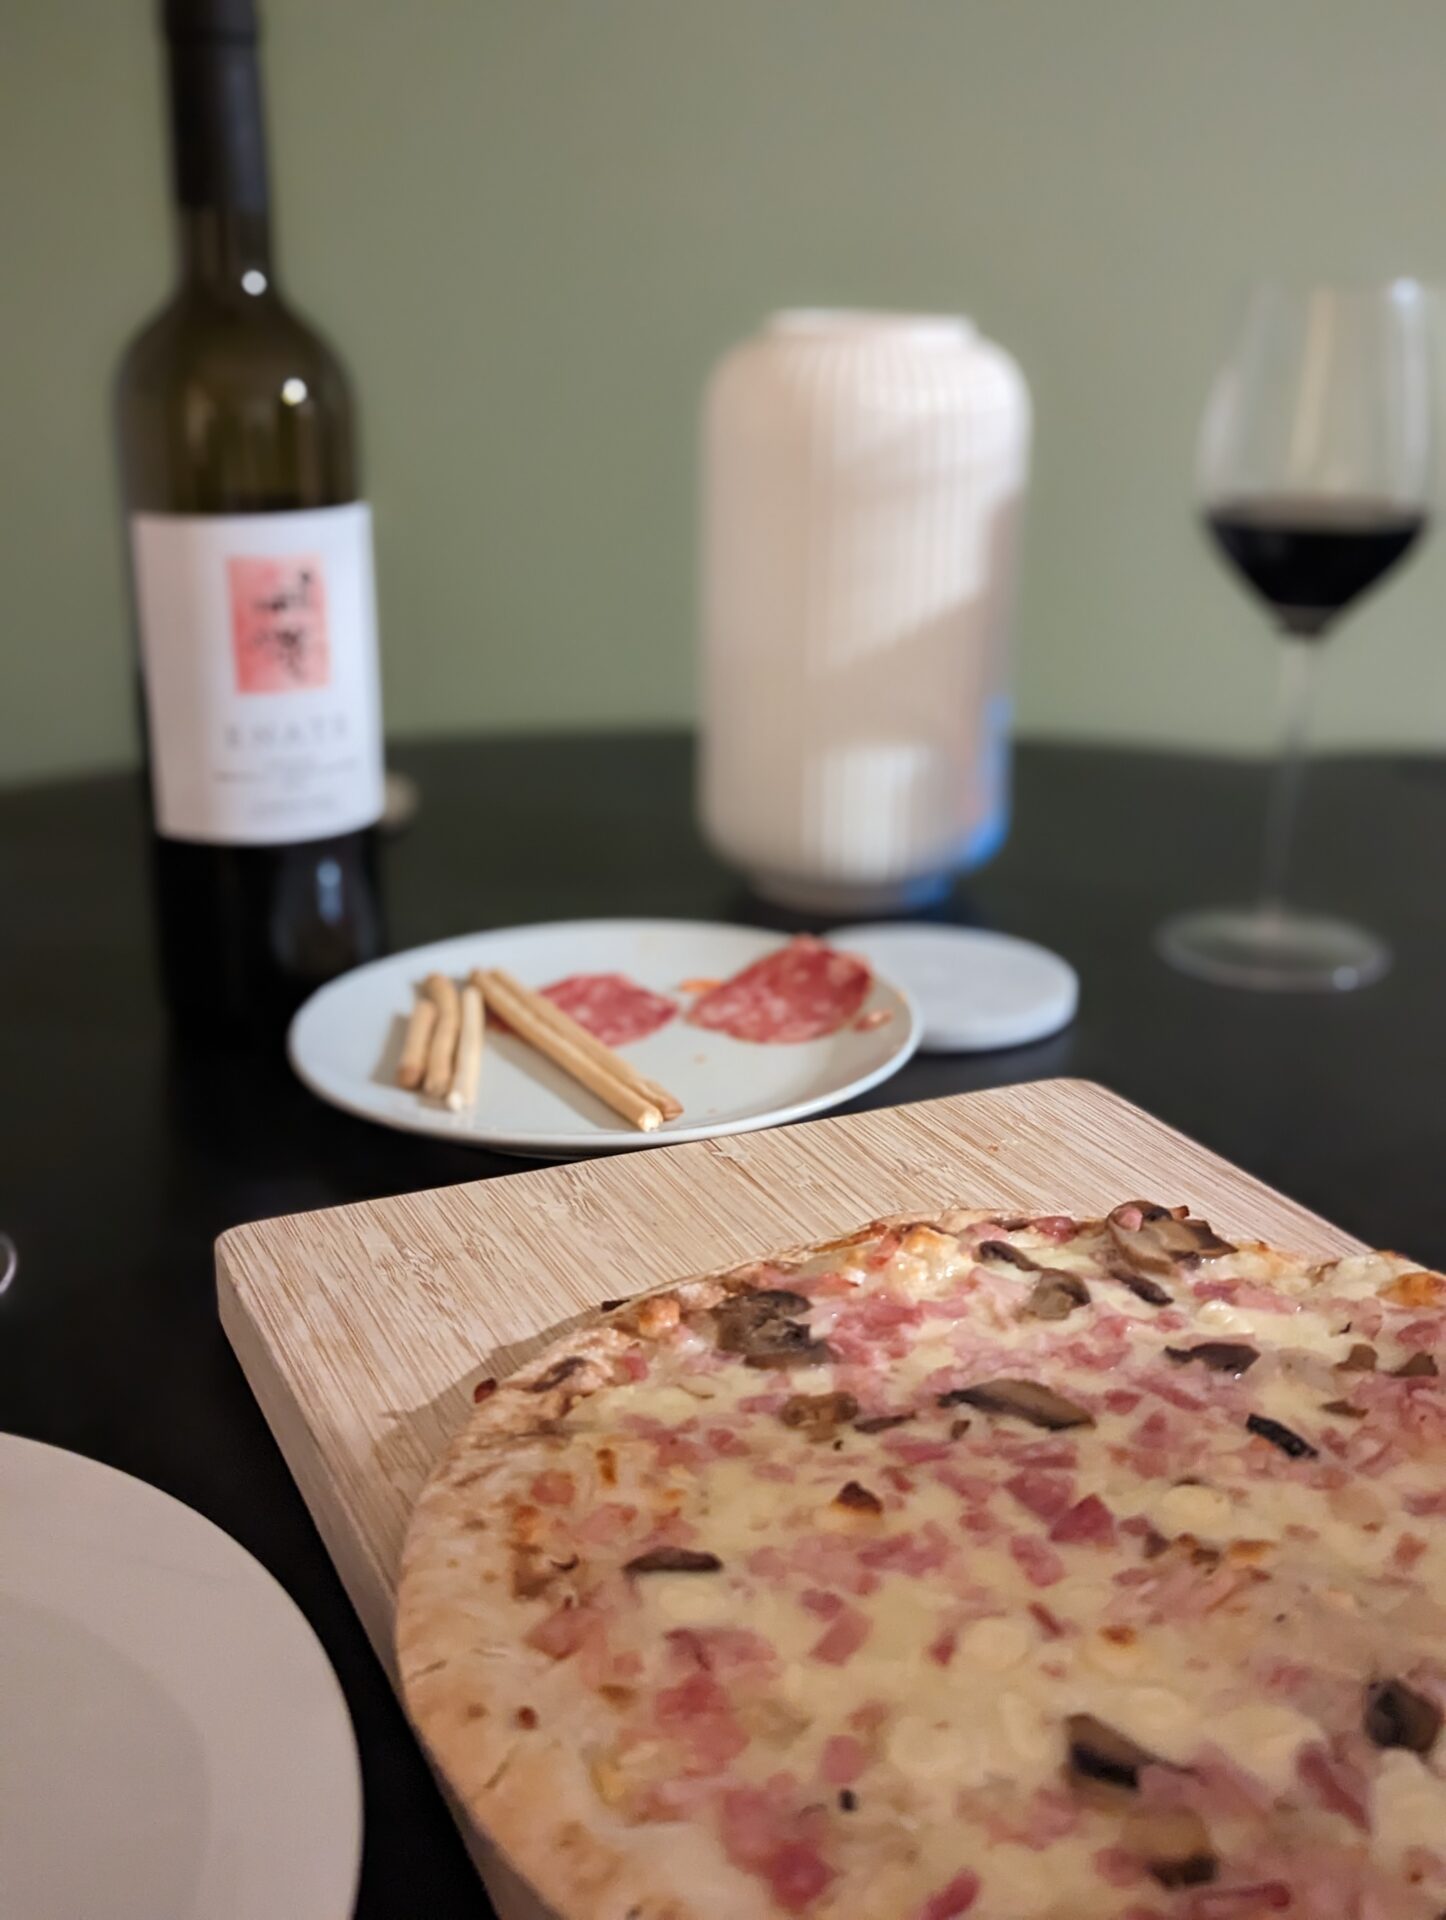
(344, 1042)
(173, 1743)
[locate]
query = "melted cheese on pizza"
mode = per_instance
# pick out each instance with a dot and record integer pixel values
(1036, 1571)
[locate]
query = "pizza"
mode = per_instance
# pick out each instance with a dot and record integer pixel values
(1026, 1568)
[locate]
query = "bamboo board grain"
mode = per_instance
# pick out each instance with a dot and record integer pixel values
(362, 1329)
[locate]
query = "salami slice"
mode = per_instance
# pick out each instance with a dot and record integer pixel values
(613, 1008)
(803, 991)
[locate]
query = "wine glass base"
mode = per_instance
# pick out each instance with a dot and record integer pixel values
(1273, 949)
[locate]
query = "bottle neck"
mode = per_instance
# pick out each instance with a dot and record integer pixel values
(218, 151)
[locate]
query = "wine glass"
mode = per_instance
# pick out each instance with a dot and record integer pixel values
(1315, 474)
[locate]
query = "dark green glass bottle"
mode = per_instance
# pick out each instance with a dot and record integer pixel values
(251, 560)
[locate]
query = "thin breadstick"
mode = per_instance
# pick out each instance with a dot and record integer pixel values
(517, 1006)
(667, 1104)
(463, 1091)
(442, 1053)
(413, 1063)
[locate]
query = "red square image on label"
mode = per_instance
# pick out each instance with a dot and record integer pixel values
(278, 622)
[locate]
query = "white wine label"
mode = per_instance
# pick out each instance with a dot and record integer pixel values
(259, 655)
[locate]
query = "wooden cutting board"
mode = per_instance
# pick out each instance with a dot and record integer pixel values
(362, 1329)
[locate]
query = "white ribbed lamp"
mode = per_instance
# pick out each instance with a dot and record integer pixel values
(862, 479)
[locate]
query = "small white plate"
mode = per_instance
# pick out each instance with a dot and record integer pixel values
(173, 1743)
(344, 1042)
(975, 990)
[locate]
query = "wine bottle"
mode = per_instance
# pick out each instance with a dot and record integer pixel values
(251, 565)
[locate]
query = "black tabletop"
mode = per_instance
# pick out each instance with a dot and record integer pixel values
(122, 1155)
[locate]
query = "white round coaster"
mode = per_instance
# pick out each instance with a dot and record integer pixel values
(975, 990)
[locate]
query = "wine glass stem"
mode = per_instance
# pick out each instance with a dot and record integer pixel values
(1298, 675)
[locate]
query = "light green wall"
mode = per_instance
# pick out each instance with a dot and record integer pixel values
(532, 224)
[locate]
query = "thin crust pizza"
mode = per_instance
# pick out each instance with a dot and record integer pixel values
(1028, 1568)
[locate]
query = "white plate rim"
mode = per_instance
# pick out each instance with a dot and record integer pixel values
(567, 1144)
(343, 1834)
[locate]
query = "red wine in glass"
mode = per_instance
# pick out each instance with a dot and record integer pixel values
(1314, 476)
(1310, 558)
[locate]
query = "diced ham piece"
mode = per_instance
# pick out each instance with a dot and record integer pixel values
(563, 1632)
(1038, 1561)
(914, 1553)
(883, 1252)
(1122, 1400)
(1424, 1503)
(1215, 1788)
(553, 1489)
(1056, 1226)
(1046, 1495)
(699, 1716)
(720, 1649)
(1118, 1867)
(843, 1760)
(763, 1834)
(827, 1606)
(1089, 1520)
(914, 1453)
(768, 1563)
(604, 1524)
(797, 1875)
(977, 1488)
(698, 1694)
(949, 1902)
(750, 1822)
(1051, 1816)
(1337, 1786)
(1153, 1432)
(1244, 1293)
(843, 1638)
(878, 1314)
(833, 1560)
